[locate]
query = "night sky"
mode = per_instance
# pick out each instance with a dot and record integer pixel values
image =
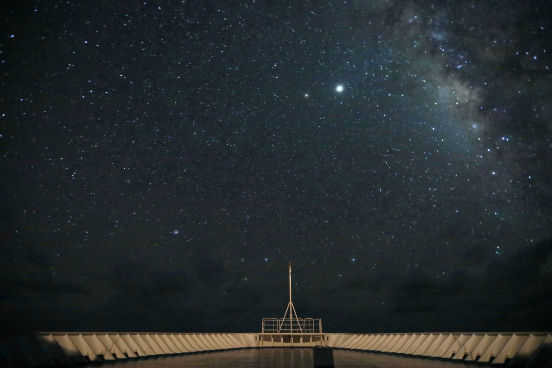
(161, 162)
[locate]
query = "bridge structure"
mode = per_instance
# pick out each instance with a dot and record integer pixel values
(50, 349)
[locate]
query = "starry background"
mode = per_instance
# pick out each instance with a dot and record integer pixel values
(162, 161)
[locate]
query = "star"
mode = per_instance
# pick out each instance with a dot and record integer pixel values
(339, 88)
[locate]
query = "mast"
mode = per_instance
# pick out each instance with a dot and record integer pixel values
(291, 310)
(290, 281)
(290, 303)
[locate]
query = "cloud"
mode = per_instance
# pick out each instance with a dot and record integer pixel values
(519, 286)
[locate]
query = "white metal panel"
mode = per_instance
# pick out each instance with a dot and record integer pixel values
(351, 341)
(235, 344)
(136, 348)
(511, 348)
(374, 342)
(456, 346)
(156, 341)
(400, 343)
(97, 346)
(121, 345)
(480, 348)
(212, 342)
(185, 343)
(440, 346)
(137, 338)
(239, 338)
(384, 342)
(222, 338)
(439, 339)
(391, 343)
(250, 339)
(201, 342)
(468, 346)
(376, 345)
(333, 339)
(191, 341)
(220, 342)
(416, 344)
(152, 344)
(530, 346)
(522, 348)
(494, 348)
(360, 342)
(176, 343)
(408, 343)
(68, 348)
(83, 347)
(237, 341)
(167, 344)
(110, 346)
(425, 345)
(343, 340)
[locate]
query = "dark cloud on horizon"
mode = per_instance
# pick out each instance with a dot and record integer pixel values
(513, 295)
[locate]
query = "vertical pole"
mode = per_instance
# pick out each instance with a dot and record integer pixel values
(290, 281)
(291, 304)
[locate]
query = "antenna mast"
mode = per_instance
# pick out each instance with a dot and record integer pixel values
(290, 281)
(291, 309)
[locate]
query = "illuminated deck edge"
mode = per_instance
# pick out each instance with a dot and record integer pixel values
(520, 349)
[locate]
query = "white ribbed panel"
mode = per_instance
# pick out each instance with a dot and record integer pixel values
(172, 338)
(494, 348)
(467, 348)
(185, 343)
(131, 343)
(332, 341)
(192, 342)
(168, 343)
(374, 342)
(157, 350)
(353, 340)
(156, 341)
(111, 347)
(69, 349)
(425, 344)
(456, 346)
(400, 343)
(142, 344)
(391, 344)
(431, 349)
(408, 343)
(55, 349)
(361, 342)
(97, 347)
(382, 343)
(510, 349)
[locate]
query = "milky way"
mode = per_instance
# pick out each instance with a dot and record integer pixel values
(162, 162)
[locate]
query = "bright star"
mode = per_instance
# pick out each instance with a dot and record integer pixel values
(175, 232)
(306, 95)
(339, 88)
